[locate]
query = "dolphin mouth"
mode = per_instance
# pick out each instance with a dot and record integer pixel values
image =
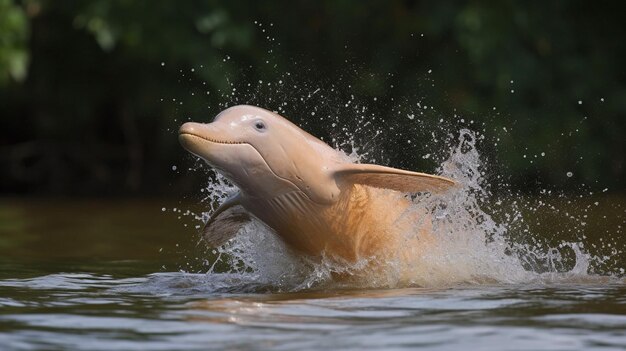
(186, 134)
(216, 141)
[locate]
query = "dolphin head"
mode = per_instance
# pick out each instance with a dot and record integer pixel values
(264, 154)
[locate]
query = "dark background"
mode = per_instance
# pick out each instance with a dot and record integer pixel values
(92, 92)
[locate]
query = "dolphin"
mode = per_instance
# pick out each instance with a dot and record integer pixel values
(312, 196)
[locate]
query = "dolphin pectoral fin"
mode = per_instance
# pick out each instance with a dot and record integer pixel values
(392, 178)
(221, 228)
(225, 222)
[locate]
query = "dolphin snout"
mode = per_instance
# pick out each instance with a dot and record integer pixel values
(200, 138)
(187, 135)
(188, 128)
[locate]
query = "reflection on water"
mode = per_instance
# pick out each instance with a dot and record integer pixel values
(84, 276)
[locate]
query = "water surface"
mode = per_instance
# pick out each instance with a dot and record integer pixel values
(115, 275)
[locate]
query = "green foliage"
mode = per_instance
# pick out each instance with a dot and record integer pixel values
(94, 90)
(13, 42)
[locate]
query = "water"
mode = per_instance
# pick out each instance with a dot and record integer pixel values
(509, 271)
(127, 275)
(93, 309)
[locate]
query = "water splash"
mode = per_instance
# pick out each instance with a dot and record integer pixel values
(471, 247)
(482, 236)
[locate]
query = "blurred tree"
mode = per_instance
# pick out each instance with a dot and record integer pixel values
(13, 42)
(91, 92)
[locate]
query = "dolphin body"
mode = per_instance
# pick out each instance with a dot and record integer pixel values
(317, 201)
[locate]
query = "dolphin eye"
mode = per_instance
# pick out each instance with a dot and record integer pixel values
(260, 126)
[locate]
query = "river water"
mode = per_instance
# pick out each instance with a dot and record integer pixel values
(119, 275)
(508, 272)
(89, 309)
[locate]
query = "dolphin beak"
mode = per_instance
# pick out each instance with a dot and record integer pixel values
(187, 135)
(188, 128)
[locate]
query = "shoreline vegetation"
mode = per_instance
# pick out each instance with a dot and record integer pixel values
(93, 92)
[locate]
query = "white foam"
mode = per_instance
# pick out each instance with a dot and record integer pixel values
(470, 247)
